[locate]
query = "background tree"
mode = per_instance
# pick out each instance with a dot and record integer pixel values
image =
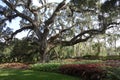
(28, 53)
(63, 24)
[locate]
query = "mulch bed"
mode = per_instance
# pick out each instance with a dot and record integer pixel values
(14, 66)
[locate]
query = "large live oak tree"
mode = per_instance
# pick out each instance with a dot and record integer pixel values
(65, 24)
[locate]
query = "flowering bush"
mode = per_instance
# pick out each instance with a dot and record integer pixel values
(85, 71)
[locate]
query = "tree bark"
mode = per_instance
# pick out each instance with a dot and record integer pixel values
(43, 50)
(42, 42)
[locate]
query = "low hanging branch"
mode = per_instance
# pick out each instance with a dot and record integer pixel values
(79, 38)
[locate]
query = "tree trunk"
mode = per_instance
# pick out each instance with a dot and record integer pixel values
(42, 41)
(43, 57)
(43, 50)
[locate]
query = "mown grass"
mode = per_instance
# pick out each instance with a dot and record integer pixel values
(13, 74)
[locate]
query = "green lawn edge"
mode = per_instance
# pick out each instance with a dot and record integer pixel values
(14, 74)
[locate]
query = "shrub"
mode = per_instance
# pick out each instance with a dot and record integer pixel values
(113, 57)
(113, 73)
(47, 67)
(87, 56)
(85, 71)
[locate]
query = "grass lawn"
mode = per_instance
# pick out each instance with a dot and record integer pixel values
(12, 74)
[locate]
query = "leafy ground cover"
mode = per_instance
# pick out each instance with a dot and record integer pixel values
(10, 74)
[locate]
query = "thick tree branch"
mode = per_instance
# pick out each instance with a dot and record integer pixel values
(79, 38)
(51, 19)
(112, 24)
(2, 12)
(18, 31)
(43, 1)
(29, 3)
(8, 18)
(70, 43)
(17, 12)
(91, 32)
(53, 38)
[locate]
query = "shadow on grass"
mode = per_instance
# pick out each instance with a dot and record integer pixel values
(10, 74)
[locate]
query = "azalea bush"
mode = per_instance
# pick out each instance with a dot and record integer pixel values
(85, 71)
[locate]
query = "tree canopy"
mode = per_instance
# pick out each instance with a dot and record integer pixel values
(64, 24)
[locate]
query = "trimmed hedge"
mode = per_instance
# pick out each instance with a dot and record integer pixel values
(85, 71)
